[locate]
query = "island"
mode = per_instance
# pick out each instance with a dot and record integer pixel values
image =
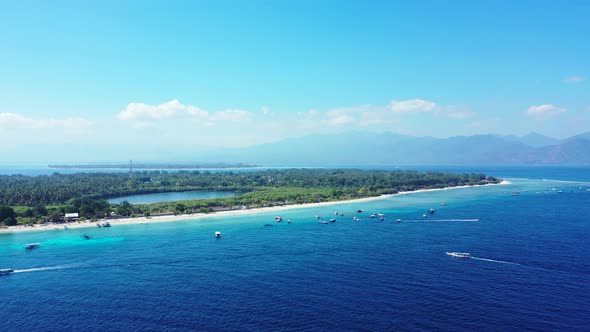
(27, 200)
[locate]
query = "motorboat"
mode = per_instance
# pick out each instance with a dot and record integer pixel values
(359, 211)
(32, 246)
(279, 218)
(431, 211)
(288, 221)
(399, 220)
(5, 272)
(333, 220)
(372, 216)
(106, 224)
(356, 219)
(218, 234)
(459, 254)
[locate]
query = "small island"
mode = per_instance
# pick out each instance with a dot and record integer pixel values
(27, 200)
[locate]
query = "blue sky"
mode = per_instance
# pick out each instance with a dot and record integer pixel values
(198, 74)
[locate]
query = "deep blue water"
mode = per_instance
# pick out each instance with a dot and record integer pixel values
(171, 197)
(530, 271)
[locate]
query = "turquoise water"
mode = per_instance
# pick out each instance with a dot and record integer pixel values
(171, 197)
(530, 270)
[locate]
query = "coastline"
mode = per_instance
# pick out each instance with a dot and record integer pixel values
(197, 216)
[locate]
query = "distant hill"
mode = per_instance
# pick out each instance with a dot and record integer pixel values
(371, 148)
(351, 148)
(537, 140)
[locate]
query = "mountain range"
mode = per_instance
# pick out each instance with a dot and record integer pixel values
(390, 148)
(350, 148)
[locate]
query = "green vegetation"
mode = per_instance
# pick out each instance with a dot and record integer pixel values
(25, 199)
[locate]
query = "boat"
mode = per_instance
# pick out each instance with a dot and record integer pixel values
(515, 193)
(279, 218)
(98, 225)
(356, 219)
(333, 220)
(399, 220)
(424, 215)
(218, 234)
(459, 254)
(288, 221)
(431, 211)
(324, 222)
(372, 216)
(32, 246)
(106, 224)
(382, 218)
(86, 236)
(5, 272)
(359, 211)
(341, 214)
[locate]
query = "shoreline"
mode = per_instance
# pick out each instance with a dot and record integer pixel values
(197, 216)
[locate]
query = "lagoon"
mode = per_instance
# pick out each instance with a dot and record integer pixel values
(171, 197)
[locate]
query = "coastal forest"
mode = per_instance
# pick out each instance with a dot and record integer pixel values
(37, 199)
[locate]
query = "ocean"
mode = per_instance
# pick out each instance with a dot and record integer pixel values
(530, 266)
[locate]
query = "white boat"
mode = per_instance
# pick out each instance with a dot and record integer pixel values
(32, 245)
(323, 222)
(459, 254)
(106, 224)
(218, 234)
(279, 218)
(356, 218)
(4, 272)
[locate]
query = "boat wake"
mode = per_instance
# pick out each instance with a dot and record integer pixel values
(45, 268)
(493, 260)
(435, 220)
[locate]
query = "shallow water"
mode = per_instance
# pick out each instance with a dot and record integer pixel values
(530, 272)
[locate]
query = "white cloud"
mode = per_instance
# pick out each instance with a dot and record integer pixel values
(142, 114)
(412, 105)
(573, 79)
(265, 110)
(13, 120)
(545, 111)
(173, 108)
(339, 120)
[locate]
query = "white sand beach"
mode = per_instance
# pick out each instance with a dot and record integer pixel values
(200, 216)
